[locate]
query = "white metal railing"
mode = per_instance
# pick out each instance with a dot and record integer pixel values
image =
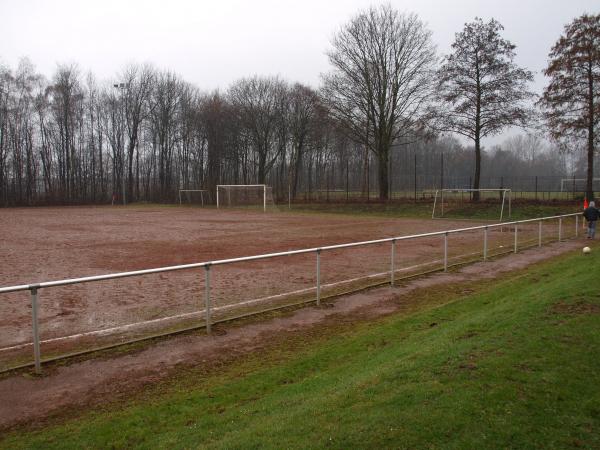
(35, 287)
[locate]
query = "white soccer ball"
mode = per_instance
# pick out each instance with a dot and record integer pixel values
(586, 250)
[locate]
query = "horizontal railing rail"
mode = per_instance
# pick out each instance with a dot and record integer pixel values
(207, 265)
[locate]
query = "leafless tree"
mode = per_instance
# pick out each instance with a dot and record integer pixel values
(481, 90)
(382, 70)
(304, 107)
(258, 102)
(571, 101)
(138, 81)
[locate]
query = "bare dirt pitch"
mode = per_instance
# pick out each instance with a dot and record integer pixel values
(45, 244)
(82, 385)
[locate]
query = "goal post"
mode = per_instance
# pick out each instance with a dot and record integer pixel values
(237, 195)
(438, 200)
(189, 193)
(577, 184)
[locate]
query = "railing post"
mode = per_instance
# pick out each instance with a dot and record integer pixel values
(540, 233)
(35, 329)
(577, 225)
(318, 276)
(445, 252)
(559, 229)
(392, 263)
(485, 243)
(207, 296)
(516, 236)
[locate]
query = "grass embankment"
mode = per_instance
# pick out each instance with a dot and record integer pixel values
(513, 365)
(473, 211)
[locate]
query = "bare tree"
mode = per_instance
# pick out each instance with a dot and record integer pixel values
(571, 101)
(6, 83)
(66, 94)
(481, 90)
(257, 102)
(304, 109)
(138, 82)
(382, 64)
(529, 145)
(166, 103)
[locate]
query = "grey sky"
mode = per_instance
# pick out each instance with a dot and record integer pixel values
(212, 43)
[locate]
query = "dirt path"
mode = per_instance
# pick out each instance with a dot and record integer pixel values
(25, 399)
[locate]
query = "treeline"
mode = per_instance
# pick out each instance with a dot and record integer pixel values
(384, 115)
(74, 140)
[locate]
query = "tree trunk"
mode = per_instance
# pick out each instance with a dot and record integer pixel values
(590, 153)
(477, 137)
(365, 177)
(383, 173)
(477, 169)
(262, 163)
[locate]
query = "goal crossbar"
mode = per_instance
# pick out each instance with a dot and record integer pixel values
(202, 191)
(230, 187)
(504, 191)
(573, 182)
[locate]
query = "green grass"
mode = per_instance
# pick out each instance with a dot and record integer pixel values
(482, 211)
(513, 365)
(522, 209)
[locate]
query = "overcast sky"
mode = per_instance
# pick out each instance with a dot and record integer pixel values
(212, 43)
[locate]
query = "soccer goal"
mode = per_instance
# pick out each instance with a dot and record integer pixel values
(446, 200)
(578, 184)
(243, 195)
(192, 196)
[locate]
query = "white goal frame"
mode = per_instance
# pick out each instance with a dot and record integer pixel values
(440, 192)
(574, 180)
(263, 186)
(202, 191)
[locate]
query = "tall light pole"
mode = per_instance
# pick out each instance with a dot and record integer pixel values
(121, 87)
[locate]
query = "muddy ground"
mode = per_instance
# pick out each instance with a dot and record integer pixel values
(27, 399)
(45, 244)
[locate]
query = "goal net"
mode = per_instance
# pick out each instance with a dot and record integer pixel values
(458, 202)
(578, 184)
(192, 196)
(244, 195)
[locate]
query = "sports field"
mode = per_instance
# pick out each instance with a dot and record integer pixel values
(45, 244)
